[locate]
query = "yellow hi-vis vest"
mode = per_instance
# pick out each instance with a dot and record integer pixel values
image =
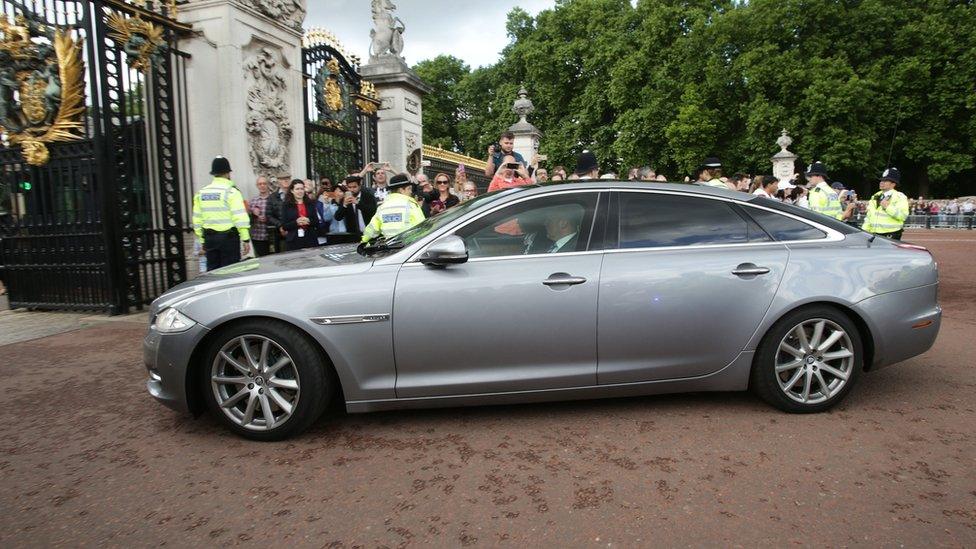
(220, 207)
(886, 220)
(825, 201)
(396, 214)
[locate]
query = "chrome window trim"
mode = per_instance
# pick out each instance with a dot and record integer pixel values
(461, 223)
(831, 234)
(512, 257)
(350, 319)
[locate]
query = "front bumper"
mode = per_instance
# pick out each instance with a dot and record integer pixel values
(167, 358)
(904, 323)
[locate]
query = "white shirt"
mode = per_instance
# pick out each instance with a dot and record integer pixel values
(762, 192)
(561, 242)
(967, 207)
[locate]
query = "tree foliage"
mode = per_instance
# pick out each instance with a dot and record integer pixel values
(668, 82)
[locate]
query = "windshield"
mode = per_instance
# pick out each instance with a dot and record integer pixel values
(431, 224)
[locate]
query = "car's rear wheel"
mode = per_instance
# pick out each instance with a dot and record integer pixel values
(808, 361)
(265, 380)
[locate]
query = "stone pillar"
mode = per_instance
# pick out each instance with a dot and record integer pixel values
(244, 85)
(399, 126)
(526, 135)
(784, 162)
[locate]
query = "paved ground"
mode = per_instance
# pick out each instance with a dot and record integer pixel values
(88, 459)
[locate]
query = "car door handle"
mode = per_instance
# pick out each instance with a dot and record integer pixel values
(748, 269)
(559, 279)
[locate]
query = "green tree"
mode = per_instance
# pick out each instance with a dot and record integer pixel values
(443, 110)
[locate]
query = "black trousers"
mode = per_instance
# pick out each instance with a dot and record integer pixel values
(261, 247)
(222, 248)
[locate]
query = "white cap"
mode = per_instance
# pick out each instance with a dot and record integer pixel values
(784, 186)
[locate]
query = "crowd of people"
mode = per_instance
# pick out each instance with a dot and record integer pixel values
(378, 202)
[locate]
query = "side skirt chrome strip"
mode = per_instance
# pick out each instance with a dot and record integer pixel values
(350, 319)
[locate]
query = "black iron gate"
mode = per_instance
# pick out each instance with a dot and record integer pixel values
(340, 109)
(92, 215)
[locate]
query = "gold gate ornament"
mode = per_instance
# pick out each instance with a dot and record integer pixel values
(141, 40)
(48, 78)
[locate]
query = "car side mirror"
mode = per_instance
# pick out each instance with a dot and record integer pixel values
(446, 251)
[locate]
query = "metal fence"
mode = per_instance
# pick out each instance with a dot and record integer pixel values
(929, 221)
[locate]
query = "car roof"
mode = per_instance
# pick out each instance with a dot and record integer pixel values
(609, 184)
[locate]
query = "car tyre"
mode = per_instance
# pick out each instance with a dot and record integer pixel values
(283, 377)
(808, 361)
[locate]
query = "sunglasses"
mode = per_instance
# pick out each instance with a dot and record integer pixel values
(442, 182)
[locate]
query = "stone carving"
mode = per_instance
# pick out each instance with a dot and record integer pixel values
(523, 105)
(387, 32)
(267, 122)
(289, 12)
(784, 141)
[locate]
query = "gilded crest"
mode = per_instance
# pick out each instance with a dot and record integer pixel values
(141, 40)
(332, 96)
(41, 86)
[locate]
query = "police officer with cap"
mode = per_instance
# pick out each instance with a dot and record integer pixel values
(711, 173)
(823, 198)
(397, 213)
(887, 208)
(220, 220)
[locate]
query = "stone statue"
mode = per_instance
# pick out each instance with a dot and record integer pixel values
(387, 32)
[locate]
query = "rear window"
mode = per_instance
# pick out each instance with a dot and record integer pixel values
(804, 213)
(652, 220)
(784, 228)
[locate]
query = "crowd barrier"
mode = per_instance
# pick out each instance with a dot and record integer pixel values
(930, 221)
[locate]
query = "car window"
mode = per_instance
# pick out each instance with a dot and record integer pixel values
(548, 224)
(784, 228)
(651, 220)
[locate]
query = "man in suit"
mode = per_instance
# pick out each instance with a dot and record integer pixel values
(275, 201)
(562, 228)
(357, 207)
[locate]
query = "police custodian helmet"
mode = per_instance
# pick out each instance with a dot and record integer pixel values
(220, 165)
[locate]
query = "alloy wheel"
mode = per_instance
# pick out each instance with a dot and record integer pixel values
(255, 382)
(814, 361)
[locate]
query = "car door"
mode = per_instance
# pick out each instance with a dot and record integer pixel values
(685, 288)
(519, 315)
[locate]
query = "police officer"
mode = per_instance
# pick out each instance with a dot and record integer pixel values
(888, 208)
(823, 198)
(219, 218)
(711, 173)
(397, 213)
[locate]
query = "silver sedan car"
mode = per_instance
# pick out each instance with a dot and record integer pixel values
(569, 291)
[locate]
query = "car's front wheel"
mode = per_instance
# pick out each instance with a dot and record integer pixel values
(808, 361)
(265, 380)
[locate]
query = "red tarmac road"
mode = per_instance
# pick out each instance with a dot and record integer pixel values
(88, 458)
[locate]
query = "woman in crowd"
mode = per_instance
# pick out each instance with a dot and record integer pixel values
(441, 199)
(299, 218)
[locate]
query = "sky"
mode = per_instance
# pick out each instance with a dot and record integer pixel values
(471, 30)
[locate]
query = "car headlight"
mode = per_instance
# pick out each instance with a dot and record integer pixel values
(171, 321)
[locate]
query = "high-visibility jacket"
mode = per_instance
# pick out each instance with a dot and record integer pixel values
(717, 183)
(396, 214)
(886, 220)
(823, 199)
(220, 207)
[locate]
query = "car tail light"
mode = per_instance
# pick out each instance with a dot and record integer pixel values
(914, 247)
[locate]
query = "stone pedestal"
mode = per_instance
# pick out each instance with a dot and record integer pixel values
(784, 162)
(244, 86)
(526, 135)
(399, 128)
